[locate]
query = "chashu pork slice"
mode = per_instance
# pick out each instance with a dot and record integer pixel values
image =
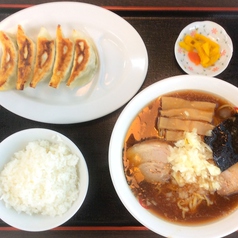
(8, 66)
(85, 60)
(151, 159)
(26, 58)
(63, 59)
(45, 54)
(229, 181)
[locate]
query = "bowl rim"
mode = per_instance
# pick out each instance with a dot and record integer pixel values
(35, 222)
(152, 222)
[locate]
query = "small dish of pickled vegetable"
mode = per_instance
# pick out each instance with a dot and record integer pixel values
(203, 48)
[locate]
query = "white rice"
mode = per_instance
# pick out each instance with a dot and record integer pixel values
(41, 179)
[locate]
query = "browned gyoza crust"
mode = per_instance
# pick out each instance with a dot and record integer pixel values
(85, 62)
(8, 60)
(81, 57)
(63, 59)
(26, 58)
(45, 54)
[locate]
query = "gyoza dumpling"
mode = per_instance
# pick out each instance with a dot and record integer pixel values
(45, 54)
(85, 60)
(26, 59)
(63, 59)
(8, 66)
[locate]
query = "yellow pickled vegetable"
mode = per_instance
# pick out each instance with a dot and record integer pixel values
(185, 46)
(189, 40)
(207, 49)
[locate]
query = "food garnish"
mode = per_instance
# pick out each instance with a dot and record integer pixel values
(224, 143)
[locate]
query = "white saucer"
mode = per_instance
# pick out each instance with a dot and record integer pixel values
(216, 33)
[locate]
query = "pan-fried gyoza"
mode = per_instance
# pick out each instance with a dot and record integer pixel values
(8, 67)
(85, 60)
(45, 54)
(63, 59)
(26, 58)
(70, 60)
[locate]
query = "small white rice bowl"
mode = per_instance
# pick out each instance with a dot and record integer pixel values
(72, 178)
(219, 228)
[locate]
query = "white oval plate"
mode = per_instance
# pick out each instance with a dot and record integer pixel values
(22, 221)
(216, 33)
(219, 228)
(122, 55)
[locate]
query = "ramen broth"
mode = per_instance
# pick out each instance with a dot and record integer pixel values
(164, 203)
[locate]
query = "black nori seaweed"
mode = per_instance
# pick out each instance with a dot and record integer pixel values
(224, 143)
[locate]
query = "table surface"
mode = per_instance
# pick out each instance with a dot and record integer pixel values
(158, 23)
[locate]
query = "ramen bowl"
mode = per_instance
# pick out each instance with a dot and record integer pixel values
(217, 228)
(214, 32)
(37, 222)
